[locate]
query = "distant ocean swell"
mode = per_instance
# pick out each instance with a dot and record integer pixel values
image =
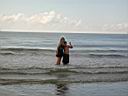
(87, 53)
(103, 45)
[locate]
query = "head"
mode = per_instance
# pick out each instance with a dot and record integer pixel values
(62, 39)
(65, 42)
(61, 42)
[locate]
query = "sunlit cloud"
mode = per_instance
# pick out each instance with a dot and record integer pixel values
(54, 21)
(116, 27)
(40, 21)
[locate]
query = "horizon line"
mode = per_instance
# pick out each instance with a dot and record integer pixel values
(88, 32)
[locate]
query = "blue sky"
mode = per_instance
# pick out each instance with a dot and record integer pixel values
(64, 15)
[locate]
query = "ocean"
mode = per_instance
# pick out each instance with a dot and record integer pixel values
(29, 58)
(27, 50)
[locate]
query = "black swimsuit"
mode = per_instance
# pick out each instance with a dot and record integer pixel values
(60, 51)
(65, 59)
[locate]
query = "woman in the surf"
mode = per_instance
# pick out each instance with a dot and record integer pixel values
(60, 50)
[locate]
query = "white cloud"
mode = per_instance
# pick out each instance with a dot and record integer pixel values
(11, 18)
(42, 18)
(78, 23)
(122, 27)
(53, 21)
(40, 21)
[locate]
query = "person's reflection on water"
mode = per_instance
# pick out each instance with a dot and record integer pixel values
(61, 89)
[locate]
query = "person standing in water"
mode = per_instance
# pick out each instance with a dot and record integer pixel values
(60, 50)
(66, 52)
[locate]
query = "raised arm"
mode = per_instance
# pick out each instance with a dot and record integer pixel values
(70, 45)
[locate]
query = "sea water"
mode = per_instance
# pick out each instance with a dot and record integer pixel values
(94, 57)
(31, 49)
(93, 89)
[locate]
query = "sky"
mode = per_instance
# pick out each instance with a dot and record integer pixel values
(102, 16)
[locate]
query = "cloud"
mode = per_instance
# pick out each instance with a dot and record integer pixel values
(42, 18)
(54, 21)
(41, 21)
(11, 18)
(116, 27)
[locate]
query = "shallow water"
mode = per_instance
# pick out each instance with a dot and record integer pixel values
(98, 65)
(66, 74)
(26, 50)
(75, 89)
(46, 59)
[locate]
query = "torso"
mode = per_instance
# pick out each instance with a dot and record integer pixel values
(66, 50)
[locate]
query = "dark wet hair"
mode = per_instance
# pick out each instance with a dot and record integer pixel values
(65, 42)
